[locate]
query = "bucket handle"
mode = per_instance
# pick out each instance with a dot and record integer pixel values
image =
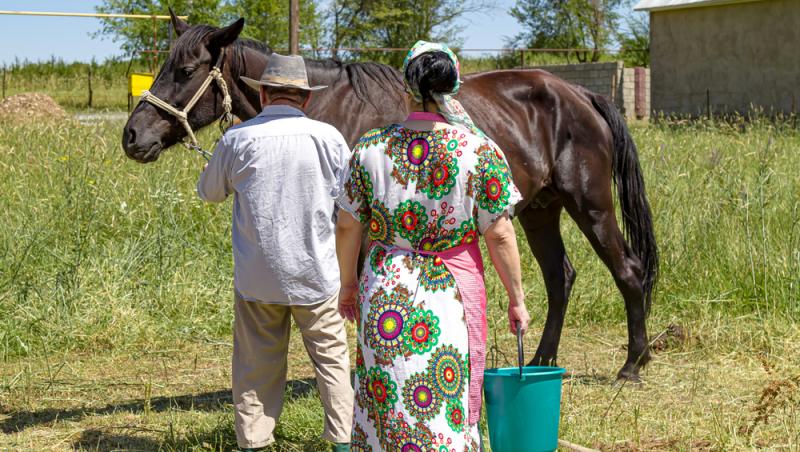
(520, 351)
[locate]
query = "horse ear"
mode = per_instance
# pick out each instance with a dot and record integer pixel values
(178, 24)
(226, 35)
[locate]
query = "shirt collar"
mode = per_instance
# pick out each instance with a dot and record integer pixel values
(280, 110)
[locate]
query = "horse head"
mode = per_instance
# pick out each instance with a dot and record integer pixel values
(195, 53)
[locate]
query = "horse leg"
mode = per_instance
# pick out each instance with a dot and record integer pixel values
(593, 209)
(542, 229)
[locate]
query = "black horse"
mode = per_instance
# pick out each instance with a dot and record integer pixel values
(564, 143)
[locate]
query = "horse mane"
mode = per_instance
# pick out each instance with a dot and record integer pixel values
(184, 47)
(362, 75)
(194, 36)
(237, 52)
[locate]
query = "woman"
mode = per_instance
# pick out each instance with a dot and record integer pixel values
(425, 189)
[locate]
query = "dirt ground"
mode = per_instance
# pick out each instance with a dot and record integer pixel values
(695, 396)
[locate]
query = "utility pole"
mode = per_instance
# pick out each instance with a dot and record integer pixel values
(294, 26)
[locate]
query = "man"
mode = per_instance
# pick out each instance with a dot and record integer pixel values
(283, 169)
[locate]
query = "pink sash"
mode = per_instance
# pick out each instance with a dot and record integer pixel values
(425, 116)
(466, 265)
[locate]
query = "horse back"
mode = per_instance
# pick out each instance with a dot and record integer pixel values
(536, 118)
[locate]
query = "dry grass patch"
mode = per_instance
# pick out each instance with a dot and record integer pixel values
(28, 107)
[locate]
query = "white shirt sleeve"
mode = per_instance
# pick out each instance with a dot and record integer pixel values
(334, 158)
(342, 153)
(214, 184)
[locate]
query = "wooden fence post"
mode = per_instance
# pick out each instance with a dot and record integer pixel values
(708, 103)
(4, 81)
(294, 26)
(90, 85)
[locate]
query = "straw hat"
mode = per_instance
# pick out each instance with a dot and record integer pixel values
(283, 72)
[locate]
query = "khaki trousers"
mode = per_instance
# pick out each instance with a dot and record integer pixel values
(260, 348)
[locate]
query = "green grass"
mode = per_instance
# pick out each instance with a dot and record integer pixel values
(68, 83)
(115, 299)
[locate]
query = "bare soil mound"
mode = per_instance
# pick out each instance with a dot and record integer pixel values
(27, 107)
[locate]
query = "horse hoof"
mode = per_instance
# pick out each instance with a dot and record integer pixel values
(546, 362)
(628, 377)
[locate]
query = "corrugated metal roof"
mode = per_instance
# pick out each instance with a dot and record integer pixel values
(661, 5)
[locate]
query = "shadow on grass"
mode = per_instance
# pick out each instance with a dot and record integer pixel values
(104, 441)
(223, 438)
(220, 438)
(588, 379)
(207, 401)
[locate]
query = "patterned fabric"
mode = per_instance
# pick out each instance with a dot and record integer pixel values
(449, 107)
(427, 193)
(462, 262)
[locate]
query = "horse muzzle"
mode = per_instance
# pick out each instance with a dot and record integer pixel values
(141, 146)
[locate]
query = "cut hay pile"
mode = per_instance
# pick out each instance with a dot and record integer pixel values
(27, 107)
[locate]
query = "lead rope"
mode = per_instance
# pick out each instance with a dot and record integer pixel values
(182, 116)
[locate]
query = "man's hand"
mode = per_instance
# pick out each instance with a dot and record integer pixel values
(205, 166)
(518, 313)
(348, 301)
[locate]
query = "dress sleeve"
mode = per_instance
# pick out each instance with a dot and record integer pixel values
(492, 187)
(355, 193)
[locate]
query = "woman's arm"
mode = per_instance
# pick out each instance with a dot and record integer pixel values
(348, 244)
(501, 240)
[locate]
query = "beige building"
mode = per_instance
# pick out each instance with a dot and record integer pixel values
(726, 55)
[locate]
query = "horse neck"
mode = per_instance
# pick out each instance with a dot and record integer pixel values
(251, 63)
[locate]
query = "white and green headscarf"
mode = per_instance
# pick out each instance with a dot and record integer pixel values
(449, 107)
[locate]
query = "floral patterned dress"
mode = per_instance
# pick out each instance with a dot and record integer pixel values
(418, 193)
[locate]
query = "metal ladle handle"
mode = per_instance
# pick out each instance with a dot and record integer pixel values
(520, 351)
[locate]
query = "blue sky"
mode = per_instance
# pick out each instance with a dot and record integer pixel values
(68, 38)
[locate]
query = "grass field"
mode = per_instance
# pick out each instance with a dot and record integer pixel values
(68, 83)
(115, 301)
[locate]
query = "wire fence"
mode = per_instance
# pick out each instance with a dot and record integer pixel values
(504, 57)
(522, 56)
(104, 85)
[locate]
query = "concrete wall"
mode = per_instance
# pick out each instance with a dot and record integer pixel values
(627, 94)
(743, 54)
(610, 79)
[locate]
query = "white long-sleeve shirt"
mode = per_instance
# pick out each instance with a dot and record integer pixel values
(284, 170)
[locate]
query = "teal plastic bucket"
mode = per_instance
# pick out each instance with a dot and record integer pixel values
(523, 414)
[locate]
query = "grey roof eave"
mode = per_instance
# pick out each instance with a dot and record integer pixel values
(665, 5)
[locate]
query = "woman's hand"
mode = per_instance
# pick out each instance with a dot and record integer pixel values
(348, 243)
(502, 243)
(348, 301)
(518, 313)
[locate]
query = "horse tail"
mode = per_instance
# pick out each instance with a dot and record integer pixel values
(637, 218)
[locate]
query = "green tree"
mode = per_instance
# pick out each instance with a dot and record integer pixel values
(268, 21)
(567, 24)
(396, 24)
(135, 35)
(635, 41)
(265, 20)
